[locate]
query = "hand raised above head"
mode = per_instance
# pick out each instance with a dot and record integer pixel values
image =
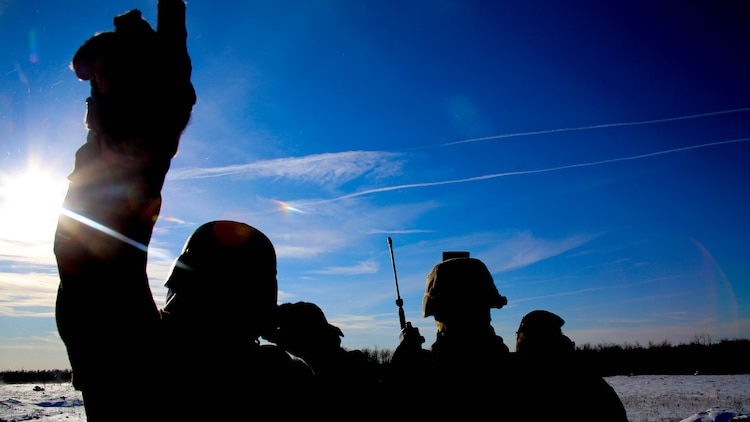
(410, 337)
(140, 79)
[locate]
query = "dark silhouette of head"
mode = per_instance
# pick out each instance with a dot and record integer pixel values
(302, 324)
(460, 290)
(540, 332)
(226, 272)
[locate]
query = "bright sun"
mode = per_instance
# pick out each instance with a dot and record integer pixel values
(29, 205)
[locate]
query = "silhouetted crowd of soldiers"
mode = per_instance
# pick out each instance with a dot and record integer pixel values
(222, 290)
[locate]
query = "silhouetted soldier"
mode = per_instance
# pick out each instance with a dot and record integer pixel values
(223, 286)
(465, 369)
(551, 379)
(222, 295)
(141, 100)
(345, 376)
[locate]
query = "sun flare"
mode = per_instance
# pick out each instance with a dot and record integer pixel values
(29, 205)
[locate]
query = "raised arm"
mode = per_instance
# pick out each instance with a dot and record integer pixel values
(141, 101)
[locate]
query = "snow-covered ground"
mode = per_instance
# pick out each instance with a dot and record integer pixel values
(668, 398)
(56, 402)
(647, 398)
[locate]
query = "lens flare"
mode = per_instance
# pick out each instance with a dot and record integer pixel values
(285, 207)
(33, 47)
(724, 298)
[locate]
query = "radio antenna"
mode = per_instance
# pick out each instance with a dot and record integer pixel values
(399, 301)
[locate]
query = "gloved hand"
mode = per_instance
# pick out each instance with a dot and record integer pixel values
(141, 101)
(141, 94)
(410, 337)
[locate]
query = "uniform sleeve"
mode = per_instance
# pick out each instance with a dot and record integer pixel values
(141, 100)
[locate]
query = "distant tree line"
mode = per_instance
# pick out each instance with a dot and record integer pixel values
(700, 357)
(52, 375)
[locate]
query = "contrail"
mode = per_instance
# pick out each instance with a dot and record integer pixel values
(518, 173)
(593, 289)
(571, 129)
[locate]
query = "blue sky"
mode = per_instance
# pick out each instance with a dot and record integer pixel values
(593, 154)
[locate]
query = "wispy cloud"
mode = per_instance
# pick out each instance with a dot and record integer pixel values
(29, 294)
(364, 267)
(525, 249)
(410, 231)
(335, 169)
(328, 168)
(27, 253)
(599, 288)
(656, 298)
(340, 226)
(520, 173)
(36, 343)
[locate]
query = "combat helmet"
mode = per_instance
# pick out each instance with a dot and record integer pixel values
(301, 324)
(225, 265)
(541, 331)
(458, 284)
(542, 322)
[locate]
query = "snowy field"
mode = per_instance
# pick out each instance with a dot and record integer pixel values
(57, 402)
(667, 398)
(647, 398)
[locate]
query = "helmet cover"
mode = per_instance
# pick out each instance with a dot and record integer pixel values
(460, 283)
